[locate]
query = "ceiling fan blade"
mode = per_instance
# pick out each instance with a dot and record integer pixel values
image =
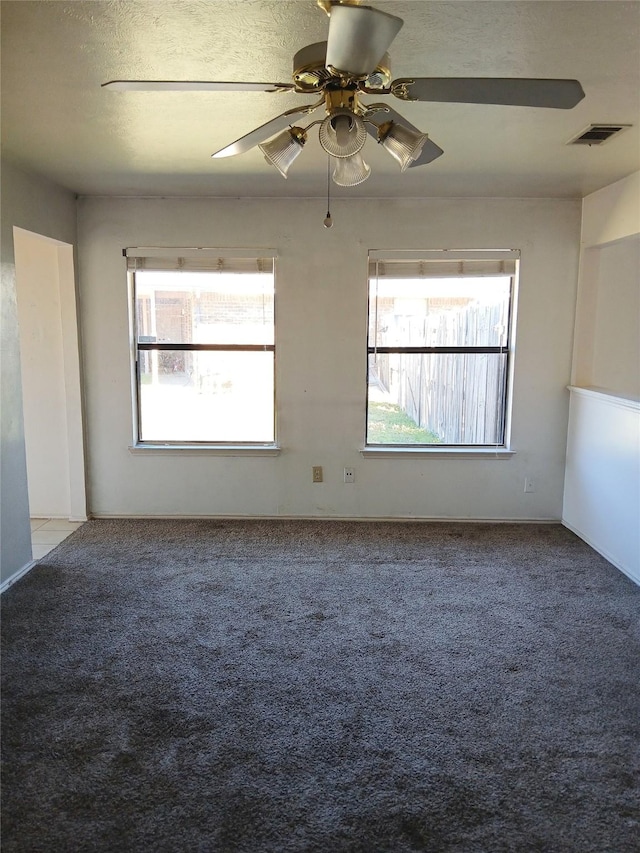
(522, 92)
(264, 132)
(430, 151)
(359, 37)
(193, 86)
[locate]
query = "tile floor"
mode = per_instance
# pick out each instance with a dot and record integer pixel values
(46, 533)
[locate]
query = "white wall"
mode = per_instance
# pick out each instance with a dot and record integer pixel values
(321, 358)
(37, 205)
(49, 356)
(615, 360)
(42, 365)
(612, 213)
(607, 334)
(602, 487)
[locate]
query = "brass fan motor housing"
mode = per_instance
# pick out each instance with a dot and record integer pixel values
(310, 73)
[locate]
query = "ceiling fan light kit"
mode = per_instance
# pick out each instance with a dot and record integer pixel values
(403, 143)
(283, 149)
(354, 62)
(342, 133)
(350, 171)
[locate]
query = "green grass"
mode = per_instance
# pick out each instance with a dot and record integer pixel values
(388, 424)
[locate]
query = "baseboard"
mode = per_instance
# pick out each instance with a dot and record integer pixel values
(73, 518)
(17, 575)
(602, 552)
(398, 519)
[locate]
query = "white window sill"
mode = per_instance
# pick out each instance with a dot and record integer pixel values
(207, 449)
(437, 453)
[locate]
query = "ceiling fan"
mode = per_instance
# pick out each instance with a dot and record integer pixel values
(351, 63)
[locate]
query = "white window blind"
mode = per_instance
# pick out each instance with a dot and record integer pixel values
(201, 260)
(440, 268)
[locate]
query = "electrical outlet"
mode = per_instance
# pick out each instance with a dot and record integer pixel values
(529, 485)
(317, 473)
(349, 475)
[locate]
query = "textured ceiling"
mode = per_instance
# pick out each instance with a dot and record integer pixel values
(56, 119)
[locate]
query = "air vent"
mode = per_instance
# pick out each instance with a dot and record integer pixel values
(597, 134)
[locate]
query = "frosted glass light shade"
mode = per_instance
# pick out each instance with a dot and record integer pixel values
(342, 134)
(350, 171)
(403, 144)
(283, 149)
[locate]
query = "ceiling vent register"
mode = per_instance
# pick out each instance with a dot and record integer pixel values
(597, 134)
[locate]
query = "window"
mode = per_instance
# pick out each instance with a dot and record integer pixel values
(204, 346)
(439, 348)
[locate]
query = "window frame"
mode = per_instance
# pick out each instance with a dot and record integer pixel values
(500, 449)
(205, 260)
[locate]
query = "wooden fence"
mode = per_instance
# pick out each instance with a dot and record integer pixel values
(457, 396)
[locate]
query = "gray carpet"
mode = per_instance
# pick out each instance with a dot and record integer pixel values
(321, 686)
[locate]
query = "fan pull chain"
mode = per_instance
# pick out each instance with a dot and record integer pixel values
(328, 221)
